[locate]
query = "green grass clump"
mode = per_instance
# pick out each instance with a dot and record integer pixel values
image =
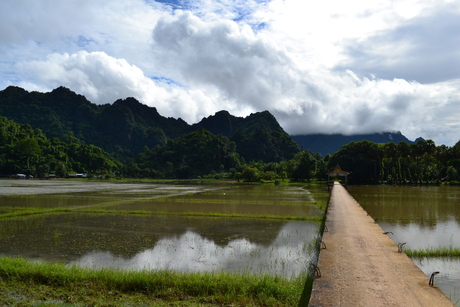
(448, 252)
(33, 211)
(23, 280)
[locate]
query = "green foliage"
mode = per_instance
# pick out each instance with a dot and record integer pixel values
(251, 174)
(446, 252)
(79, 286)
(304, 166)
(194, 154)
(266, 146)
(125, 127)
(23, 150)
(402, 163)
(331, 143)
(362, 158)
(153, 146)
(122, 128)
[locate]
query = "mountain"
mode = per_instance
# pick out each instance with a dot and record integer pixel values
(228, 125)
(125, 127)
(122, 128)
(258, 136)
(330, 143)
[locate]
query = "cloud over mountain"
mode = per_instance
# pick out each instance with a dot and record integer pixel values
(326, 67)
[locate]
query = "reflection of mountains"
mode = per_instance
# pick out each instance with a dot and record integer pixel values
(288, 255)
(65, 236)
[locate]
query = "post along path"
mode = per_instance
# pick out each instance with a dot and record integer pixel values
(361, 265)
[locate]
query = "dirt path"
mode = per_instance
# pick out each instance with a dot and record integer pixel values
(361, 266)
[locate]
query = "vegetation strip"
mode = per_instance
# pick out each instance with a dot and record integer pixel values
(448, 252)
(34, 211)
(208, 288)
(198, 200)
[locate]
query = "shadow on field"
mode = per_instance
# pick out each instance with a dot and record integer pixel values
(305, 297)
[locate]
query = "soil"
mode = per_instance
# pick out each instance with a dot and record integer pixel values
(361, 266)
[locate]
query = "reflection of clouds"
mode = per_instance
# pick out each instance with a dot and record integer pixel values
(288, 255)
(442, 233)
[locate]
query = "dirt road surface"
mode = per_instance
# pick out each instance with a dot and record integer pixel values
(361, 265)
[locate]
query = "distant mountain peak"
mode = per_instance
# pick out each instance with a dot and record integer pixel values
(330, 143)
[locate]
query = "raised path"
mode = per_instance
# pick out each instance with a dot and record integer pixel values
(361, 265)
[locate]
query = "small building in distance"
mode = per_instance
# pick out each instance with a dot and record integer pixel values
(337, 175)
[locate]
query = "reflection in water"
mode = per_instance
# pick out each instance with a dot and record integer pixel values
(289, 255)
(448, 279)
(443, 233)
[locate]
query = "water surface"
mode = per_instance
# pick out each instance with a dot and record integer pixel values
(422, 217)
(163, 241)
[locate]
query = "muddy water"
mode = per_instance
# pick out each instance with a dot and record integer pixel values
(422, 217)
(163, 241)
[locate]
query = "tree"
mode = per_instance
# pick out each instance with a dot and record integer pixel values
(191, 155)
(28, 152)
(251, 174)
(362, 159)
(305, 166)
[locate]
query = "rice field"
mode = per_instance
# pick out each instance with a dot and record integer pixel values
(207, 232)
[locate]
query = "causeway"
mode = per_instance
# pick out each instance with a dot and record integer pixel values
(361, 266)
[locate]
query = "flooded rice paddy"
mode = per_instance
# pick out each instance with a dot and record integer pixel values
(163, 234)
(422, 217)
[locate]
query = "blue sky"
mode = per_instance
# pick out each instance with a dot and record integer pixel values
(327, 67)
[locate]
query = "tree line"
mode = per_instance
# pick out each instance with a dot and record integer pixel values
(419, 163)
(29, 151)
(202, 154)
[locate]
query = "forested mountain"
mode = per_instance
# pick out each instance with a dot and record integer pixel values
(257, 137)
(119, 128)
(330, 143)
(125, 127)
(253, 148)
(226, 124)
(205, 153)
(29, 151)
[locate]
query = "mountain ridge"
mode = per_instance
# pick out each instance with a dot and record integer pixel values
(125, 127)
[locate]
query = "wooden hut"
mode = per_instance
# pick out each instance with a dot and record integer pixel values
(337, 172)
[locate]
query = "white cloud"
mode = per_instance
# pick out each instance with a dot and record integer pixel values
(425, 48)
(252, 70)
(319, 67)
(224, 56)
(104, 79)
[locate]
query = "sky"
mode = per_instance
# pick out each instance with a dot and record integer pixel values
(329, 66)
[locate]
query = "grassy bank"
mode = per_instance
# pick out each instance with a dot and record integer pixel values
(26, 283)
(448, 252)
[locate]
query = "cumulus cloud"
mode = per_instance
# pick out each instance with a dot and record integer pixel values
(251, 69)
(319, 67)
(222, 55)
(104, 79)
(425, 48)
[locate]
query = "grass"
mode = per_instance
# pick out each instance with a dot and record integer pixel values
(447, 252)
(27, 283)
(34, 211)
(228, 201)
